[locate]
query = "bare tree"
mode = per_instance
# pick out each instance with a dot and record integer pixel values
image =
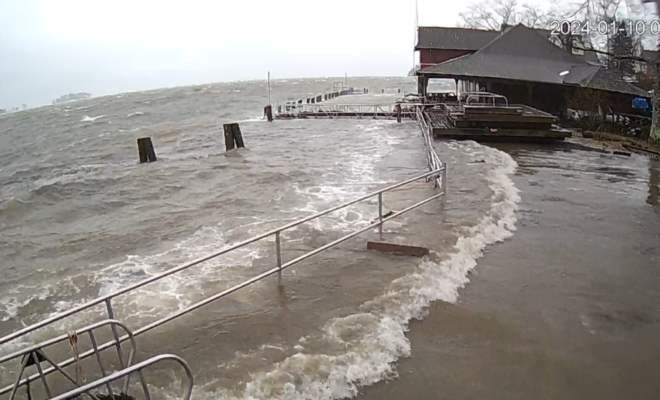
(491, 14)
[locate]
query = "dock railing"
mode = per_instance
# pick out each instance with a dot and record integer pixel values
(434, 161)
(107, 300)
(336, 110)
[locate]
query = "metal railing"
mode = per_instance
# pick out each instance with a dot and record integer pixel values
(355, 110)
(107, 299)
(127, 372)
(434, 161)
(481, 98)
(36, 354)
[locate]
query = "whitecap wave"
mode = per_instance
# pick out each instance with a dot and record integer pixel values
(87, 118)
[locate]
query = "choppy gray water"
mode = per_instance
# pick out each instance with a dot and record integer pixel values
(79, 217)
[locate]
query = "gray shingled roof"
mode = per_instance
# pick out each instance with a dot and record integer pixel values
(650, 54)
(606, 80)
(521, 54)
(454, 38)
(435, 37)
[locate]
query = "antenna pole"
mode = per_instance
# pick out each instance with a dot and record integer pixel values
(416, 32)
(269, 88)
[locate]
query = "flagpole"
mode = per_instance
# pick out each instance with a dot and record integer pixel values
(269, 88)
(416, 31)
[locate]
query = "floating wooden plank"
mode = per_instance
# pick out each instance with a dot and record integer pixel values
(398, 249)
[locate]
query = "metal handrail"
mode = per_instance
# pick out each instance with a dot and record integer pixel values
(434, 161)
(330, 109)
(42, 373)
(107, 299)
(126, 372)
(477, 95)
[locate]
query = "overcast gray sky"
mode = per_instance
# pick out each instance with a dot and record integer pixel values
(52, 47)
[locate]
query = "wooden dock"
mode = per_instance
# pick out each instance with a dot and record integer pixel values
(331, 110)
(492, 123)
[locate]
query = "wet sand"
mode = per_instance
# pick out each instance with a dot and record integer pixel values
(568, 308)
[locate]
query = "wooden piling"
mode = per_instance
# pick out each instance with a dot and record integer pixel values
(238, 136)
(229, 137)
(233, 136)
(398, 113)
(268, 112)
(146, 150)
(398, 90)
(382, 90)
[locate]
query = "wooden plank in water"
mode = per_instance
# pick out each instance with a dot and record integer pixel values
(398, 249)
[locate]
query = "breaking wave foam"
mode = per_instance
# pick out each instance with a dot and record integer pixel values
(375, 338)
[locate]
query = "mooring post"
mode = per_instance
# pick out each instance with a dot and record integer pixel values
(268, 111)
(398, 113)
(146, 150)
(382, 90)
(238, 136)
(229, 137)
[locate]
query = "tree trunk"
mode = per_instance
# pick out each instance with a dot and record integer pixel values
(654, 136)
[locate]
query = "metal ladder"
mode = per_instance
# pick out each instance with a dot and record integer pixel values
(38, 356)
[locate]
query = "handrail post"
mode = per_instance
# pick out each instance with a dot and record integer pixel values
(380, 215)
(111, 315)
(444, 183)
(279, 258)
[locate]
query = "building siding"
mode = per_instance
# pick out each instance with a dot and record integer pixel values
(434, 56)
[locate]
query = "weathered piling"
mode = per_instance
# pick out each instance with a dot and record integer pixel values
(382, 90)
(146, 150)
(229, 137)
(233, 136)
(268, 112)
(398, 113)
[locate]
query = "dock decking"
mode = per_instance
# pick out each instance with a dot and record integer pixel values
(516, 122)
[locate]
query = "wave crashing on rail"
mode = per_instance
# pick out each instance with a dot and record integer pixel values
(374, 339)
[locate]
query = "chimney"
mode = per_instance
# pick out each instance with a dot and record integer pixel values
(567, 41)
